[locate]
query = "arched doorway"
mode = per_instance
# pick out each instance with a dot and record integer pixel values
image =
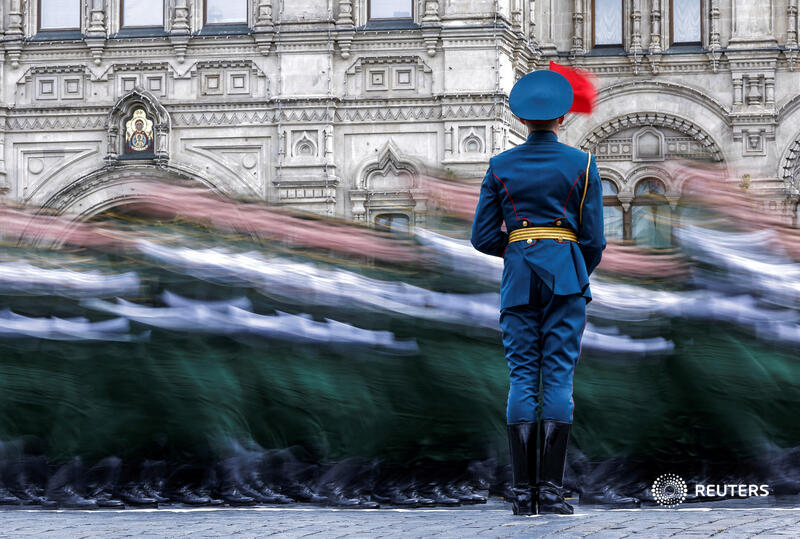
(115, 185)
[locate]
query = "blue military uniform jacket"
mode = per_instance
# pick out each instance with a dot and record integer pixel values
(542, 182)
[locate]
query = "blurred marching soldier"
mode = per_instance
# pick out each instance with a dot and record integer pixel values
(549, 196)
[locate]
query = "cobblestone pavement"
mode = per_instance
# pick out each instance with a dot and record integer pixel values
(740, 518)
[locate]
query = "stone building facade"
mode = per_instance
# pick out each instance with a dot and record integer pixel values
(334, 106)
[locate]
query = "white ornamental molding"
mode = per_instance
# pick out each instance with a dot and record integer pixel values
(653, 119)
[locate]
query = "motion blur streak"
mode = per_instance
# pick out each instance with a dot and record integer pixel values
(195, 347)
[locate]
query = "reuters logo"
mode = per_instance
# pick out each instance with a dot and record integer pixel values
(669, 490)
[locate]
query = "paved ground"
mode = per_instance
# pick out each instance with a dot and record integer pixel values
(727, 519)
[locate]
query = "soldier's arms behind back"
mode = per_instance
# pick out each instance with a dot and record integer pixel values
(591, 237)
(487, 237)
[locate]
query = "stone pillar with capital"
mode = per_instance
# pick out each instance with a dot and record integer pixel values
(636, 27)
(791, 33)
(346, 26)
(263, 28)
(431, 26)
(180, 29)
(14, 33)
(655, 27)
(577, 28)
(636, 48)
(96, 30)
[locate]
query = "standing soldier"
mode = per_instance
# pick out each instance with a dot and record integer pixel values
(550, 198)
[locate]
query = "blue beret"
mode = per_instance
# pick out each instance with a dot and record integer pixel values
(541, 95)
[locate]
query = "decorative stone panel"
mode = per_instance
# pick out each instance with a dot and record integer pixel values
(393, 75)
(40, 85)
(241, 78)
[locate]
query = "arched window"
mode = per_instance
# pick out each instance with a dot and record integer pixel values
(612, 211)
(651, 215)
(607, 23)
(396, 222)
(686, 25)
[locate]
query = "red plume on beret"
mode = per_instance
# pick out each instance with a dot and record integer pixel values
(583, 86)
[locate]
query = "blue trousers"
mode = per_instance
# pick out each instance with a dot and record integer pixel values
(542, 342)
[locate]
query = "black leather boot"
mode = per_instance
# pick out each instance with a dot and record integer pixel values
(608, 496)
(553, 457)
(522, 444)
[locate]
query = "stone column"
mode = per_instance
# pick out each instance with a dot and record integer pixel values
(96, 30)
(534, 42)
(516, 15)
(738, 93)
(791, 33)
(5, 186)
(431, 26)
(577, 28)
(636, 27)
(15, 20)
(179, 29)
(346, 27)
(655, 26)
(713, 37)
(263, 25)
(345, 17)
(769, 91)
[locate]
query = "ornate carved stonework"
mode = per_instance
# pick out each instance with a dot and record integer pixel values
(122, 125)
(653, 119)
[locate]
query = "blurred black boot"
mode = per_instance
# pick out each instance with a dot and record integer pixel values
(440, 495)
(522, 445)
(234, 496)
(608, 496)
(187, 496)
(152, 480)
(264, 494)
(301, 493)
(62, 488)
(134, 495)
(554, 439)
(7, 498)
(464, 494)
(103, 480)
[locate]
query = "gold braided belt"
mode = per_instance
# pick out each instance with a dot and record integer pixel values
(542, 233)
